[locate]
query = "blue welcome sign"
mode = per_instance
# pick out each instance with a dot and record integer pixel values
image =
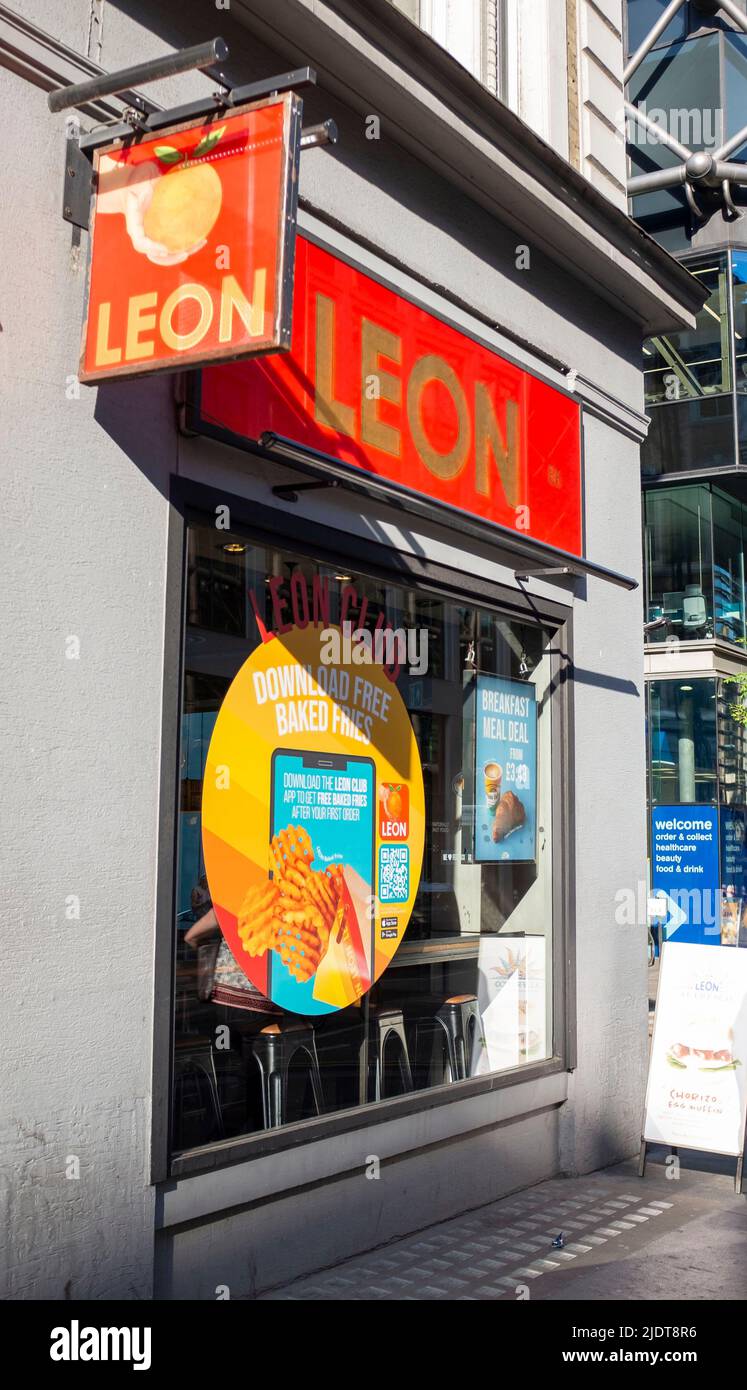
(685, 872)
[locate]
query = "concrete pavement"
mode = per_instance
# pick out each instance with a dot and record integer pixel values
(624, 1238)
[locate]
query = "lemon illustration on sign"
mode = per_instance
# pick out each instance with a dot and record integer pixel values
(184, 207)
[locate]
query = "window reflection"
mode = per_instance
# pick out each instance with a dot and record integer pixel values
(739, 291)
(682, 733)
(678, 561)
(476, 927)
(735, 89)
(696, 381)
(695, 362)
(694, 552)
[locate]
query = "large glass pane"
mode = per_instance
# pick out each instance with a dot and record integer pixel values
(682, 732)
(469, 990)
(695, 362)
(677, 554)
(643, 15)
(728, 568)
(677, 88)
(690, 437)
(735, 76)
(739, 315)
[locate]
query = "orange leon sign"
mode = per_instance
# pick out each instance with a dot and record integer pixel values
(192, 239)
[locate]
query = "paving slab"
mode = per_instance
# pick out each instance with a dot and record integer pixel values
(628, 1239)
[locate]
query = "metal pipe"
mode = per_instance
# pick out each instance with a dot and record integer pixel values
(736, 16)
(206, 106)
(325, 133)
(315, 463)
(661, 178)
(201, 55)
(730, 145)
(651, 37)
(662, 136)
(735, 173)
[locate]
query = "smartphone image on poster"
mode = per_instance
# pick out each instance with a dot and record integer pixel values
(333, 798)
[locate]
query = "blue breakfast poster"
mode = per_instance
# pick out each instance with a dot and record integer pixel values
(505, 770)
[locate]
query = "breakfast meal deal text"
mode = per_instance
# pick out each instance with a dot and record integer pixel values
(192, 239)
(313, 820)
(505, 775)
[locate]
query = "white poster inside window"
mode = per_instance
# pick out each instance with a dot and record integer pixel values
(511, 999)
(697, 1093)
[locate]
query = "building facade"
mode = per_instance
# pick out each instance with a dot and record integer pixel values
(690, 88)
(147, 1154)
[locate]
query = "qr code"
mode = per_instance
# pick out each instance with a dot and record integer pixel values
(394, 873)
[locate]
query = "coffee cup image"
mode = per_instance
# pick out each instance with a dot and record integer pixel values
(493, 775)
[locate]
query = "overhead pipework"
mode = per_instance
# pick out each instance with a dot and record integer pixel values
(707, 177)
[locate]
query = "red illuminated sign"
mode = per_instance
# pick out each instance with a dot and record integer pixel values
(384, 386)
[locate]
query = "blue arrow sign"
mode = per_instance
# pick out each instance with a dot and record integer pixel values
(685, 870)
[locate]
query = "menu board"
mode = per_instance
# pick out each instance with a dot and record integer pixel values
(505, 770)
(512, 999)
(697, 1092)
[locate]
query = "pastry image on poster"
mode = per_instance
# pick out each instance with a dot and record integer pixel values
(505, 770)
(696, 1095)
(313, 771)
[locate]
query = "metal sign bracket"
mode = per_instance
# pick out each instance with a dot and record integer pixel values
(139, 118)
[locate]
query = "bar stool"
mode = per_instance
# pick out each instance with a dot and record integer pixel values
(383, 1025)
(459, 1019)
(194, 1055)
(273, 1049)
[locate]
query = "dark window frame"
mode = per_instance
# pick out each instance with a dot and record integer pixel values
(267, 525)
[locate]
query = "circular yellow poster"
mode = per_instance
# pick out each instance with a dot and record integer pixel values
(313, 819)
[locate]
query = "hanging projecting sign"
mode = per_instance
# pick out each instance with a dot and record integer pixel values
(697, 1082)
(191, 243)
(313, 819)
(387, 388)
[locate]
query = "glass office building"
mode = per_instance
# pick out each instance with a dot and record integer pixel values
(686, 123)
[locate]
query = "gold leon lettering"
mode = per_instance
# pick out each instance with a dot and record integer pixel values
(493, 447)
(151, 325)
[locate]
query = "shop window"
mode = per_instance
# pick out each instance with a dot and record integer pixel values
(469, 990)
(679, 577)
(682, 735)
